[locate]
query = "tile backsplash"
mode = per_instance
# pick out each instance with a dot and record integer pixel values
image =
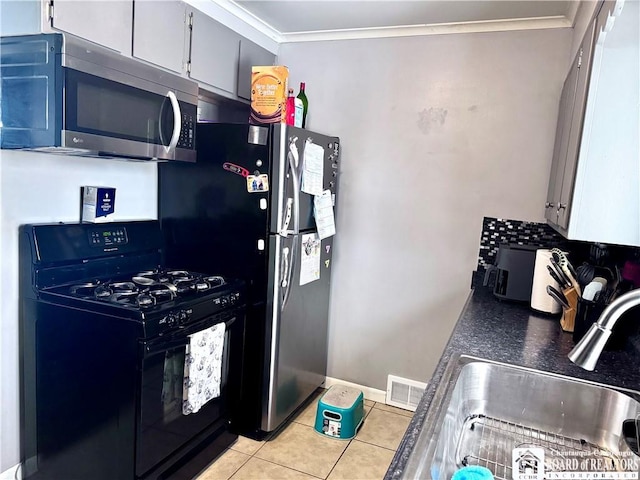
(496, 231)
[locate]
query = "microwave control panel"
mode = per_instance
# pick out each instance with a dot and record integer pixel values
(188, 128)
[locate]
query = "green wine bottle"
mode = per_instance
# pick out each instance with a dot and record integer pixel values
(305, 104)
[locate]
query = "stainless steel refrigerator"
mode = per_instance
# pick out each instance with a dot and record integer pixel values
(243, 210)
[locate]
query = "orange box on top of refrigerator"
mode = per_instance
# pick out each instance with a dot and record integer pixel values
(268, 94)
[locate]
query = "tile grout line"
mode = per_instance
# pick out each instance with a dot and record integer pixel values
(294, 469)
(237, 469)
(341, 455)
(401, 414)
(294, 420)
(300, 471)
(284, 466)
(376, 445)
(393, 413)
(250, 454)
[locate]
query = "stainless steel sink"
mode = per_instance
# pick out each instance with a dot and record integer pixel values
(482, 410)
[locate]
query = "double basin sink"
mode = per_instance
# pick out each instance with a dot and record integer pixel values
(483, 410)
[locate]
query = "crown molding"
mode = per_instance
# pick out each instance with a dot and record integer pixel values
(572, 14)
(537, 23)
(532, 23)
(250, 19)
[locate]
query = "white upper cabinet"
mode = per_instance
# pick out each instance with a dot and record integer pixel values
(105, 22)
(215, 51)
(594, 189)
(607, 189)
(161, 34)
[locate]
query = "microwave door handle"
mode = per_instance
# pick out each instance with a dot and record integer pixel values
(177, 123)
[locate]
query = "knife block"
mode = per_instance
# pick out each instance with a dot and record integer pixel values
(568, 319)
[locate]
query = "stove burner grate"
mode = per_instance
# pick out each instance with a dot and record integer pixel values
(148, 288)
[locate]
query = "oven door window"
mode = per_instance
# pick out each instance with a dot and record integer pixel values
(164, 427)
(106, 108)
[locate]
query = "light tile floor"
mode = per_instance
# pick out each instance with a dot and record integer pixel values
(299, 452)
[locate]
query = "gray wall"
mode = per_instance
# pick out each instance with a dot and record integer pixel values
(39, 187)
(436, 133)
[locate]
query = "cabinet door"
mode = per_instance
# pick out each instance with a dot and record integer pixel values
(583, 72)
(215, 50)
(250, 55)
(561, 143)
(106, 22)
(160, 33)
(605, 201)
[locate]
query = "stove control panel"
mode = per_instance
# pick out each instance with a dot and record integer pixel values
(108, 236)
(183, 316)
(177, 317)
(227, 300)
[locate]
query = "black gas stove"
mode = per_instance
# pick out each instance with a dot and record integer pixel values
(161, 299)
(106, 335)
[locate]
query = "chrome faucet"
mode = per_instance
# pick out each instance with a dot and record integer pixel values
(586, 353)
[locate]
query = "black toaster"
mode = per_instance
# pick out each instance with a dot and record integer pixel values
(513, 272)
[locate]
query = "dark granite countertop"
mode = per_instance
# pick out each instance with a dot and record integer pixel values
(513, 333)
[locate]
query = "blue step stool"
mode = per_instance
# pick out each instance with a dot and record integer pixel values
(340, 412)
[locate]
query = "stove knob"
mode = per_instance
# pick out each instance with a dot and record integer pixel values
(183, 316)
(171, 319)
(233, 299)
(224, 301)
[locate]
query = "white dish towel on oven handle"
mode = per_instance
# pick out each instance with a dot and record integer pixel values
(203, 368)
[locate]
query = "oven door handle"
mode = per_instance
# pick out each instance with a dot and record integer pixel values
(158, 345)
(177, 339)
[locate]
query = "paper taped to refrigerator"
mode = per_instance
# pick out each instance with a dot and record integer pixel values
(323, 213)
(310, 258)
(312, 169)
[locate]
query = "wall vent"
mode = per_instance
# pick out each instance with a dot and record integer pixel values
(404, 393)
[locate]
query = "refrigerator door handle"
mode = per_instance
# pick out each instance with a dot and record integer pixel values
(285, 268)
(288, 271)
(293, 166)
(284, 231)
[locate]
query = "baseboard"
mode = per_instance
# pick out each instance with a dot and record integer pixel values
(369, 393)
(12, 473)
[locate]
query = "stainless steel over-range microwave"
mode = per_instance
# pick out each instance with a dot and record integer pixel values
(63, 94)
